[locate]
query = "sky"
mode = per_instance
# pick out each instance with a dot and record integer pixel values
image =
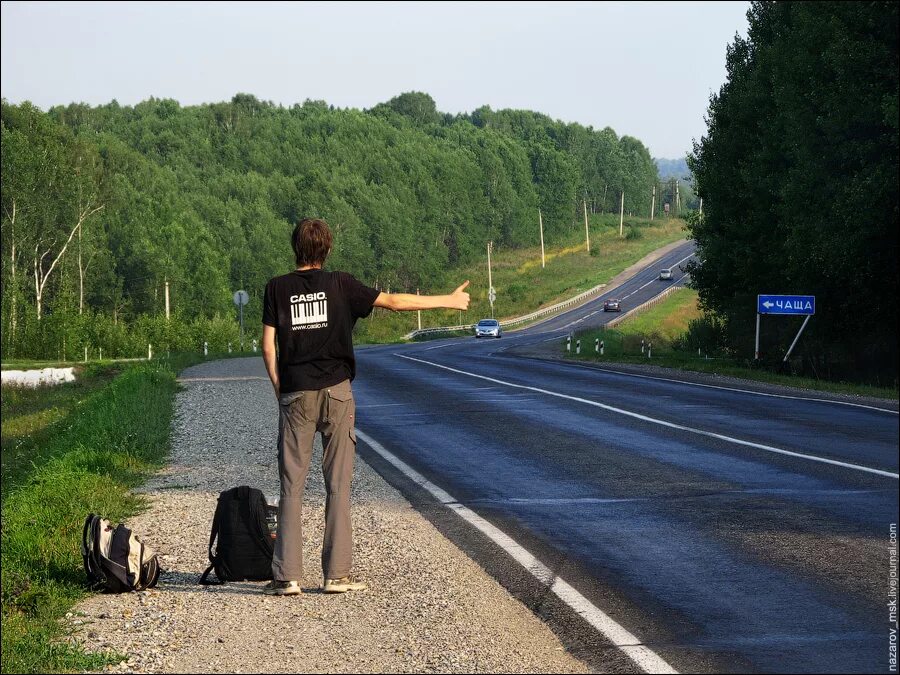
(646, 69)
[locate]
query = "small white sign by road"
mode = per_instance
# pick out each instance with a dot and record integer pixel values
(241, 298)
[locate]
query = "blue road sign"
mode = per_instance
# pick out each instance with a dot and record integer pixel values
(786, 304)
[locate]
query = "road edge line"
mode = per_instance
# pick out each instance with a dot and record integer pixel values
(601, 367)
(644, 657)
(671, 425)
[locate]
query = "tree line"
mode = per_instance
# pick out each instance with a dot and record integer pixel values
(798, 172)
(105, 206)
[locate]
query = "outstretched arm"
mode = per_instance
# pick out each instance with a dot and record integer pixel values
(405, 302)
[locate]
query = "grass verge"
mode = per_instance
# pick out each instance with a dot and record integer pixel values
(104, 437)
(31, 417)
(666, 321)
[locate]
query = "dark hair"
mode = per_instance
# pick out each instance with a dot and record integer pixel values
(311, 241)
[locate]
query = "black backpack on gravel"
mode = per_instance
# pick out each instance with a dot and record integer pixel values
(115, 559)
(240, 545)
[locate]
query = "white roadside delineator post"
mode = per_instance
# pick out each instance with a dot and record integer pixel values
(229, 347)
(149, 351)
(642, 347)
(601, 347)
(568, 343)
(649, 349)
(254, 346)
(578, 347)
(205, 348)
(597, 345)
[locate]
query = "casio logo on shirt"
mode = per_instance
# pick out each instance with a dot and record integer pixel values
(309, 311)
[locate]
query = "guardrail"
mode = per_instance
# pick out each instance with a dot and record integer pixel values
(656, 299)
(574, 300)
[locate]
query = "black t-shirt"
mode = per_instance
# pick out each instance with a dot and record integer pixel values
(313, 313)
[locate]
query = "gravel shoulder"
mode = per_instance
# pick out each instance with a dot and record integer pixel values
(429, 608)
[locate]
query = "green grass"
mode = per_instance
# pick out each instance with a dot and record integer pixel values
(664, 322)
(522, 285)
(31, 417)
(90, 443)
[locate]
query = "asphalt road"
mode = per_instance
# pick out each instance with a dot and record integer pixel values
(726, 530)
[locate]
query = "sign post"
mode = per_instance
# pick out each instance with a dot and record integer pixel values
(241, 298)
(791, 348)
(797, 305)
(756, 350)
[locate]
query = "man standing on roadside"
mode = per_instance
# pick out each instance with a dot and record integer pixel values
(311, 313)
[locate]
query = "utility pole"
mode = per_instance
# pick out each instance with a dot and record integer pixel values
(419, 313)
(541, 223)
(677, 199)
(653, 203)
(587, 232)
(167, 299)
(622, 215)
(490, 280)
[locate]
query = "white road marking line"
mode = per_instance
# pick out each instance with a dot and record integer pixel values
(414, 414)
(657, 279)
(644, 657)
(638, 289)
(562, 501)
(441, 346)
(742, 391)
(503, 400)
(671, 425)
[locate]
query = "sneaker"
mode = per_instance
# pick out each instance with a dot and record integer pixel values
(343, 585)
(282, 588)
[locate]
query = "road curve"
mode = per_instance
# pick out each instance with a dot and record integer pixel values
(727, 531)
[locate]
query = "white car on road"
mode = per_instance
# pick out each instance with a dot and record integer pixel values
(488, 328)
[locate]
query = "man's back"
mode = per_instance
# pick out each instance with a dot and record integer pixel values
(313, 312)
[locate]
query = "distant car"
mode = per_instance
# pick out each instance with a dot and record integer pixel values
(665, 274)
(612, 305)
(488, 328)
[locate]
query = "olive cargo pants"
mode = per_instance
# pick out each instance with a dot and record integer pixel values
(303, 413)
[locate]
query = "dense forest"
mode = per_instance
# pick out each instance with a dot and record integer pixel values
(798, 172)
(103, 207)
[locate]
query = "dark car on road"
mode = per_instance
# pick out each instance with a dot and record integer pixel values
(612, 305)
